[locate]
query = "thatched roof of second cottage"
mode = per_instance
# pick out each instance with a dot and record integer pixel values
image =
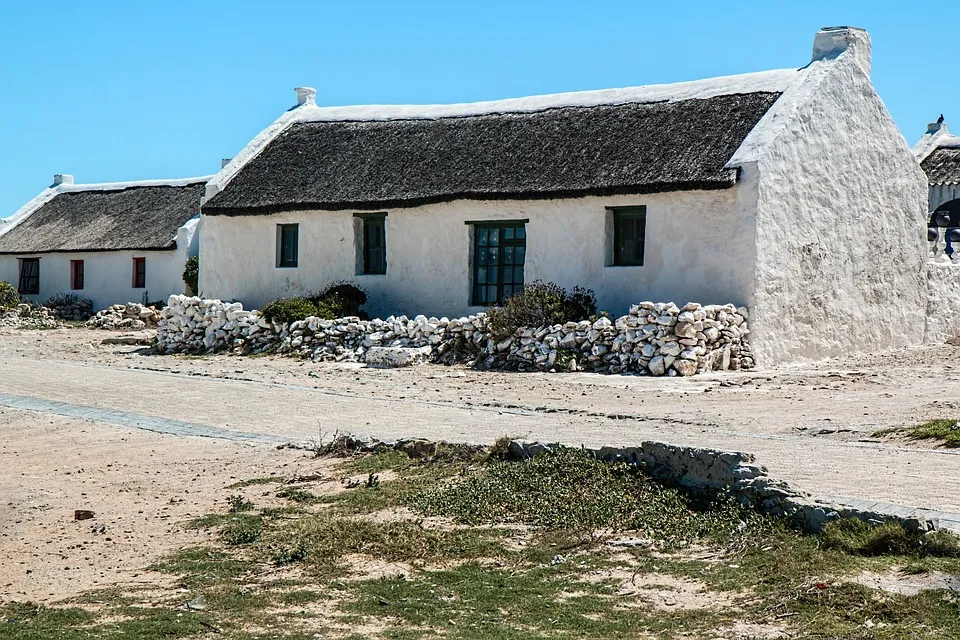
(103, 217)
(640, 140)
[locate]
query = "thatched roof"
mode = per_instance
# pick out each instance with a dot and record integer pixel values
(567, 151)
(122, 216)
(942, 166)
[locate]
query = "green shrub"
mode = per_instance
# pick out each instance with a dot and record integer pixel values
(290, 310)
(191, 273)
(339, 300)
(63, 299)
(539, 305)
(9, 297)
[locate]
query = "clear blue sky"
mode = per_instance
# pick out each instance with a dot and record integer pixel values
(134, 90)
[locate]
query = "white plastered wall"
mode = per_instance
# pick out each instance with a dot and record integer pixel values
(840, 226)
(699, 246)
(108, 275)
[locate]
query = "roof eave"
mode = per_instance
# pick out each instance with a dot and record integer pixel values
(260, 210)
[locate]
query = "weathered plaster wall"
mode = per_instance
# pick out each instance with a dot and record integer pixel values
(840, 226)
(108, 275)
(697, 248)
(943, 302)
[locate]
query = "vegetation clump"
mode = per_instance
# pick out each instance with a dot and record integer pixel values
(191, 274)
(340, 300)
(289, 310)
(945, 432)
(856, 537)
(542, 304)
(9, 297)
(569, 489)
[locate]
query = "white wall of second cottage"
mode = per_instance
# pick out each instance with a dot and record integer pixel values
(699, 247)
(108, 275)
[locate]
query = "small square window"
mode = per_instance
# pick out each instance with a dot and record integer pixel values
(29, 276)
(288, 238)
(629, 236)
(76, 275)
(139, 273)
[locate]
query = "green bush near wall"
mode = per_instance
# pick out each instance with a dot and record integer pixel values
(9, 297)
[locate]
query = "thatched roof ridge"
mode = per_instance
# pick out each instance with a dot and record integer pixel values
(564, 151)
(140, 216)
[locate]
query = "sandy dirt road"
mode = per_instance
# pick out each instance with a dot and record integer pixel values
(810, 426)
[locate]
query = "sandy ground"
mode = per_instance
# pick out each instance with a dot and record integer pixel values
(141, 486)
(809, 425)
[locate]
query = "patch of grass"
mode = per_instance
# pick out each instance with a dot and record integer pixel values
(297, 494)
(570, 489)
(255, 481)
(323, 539)
(239, 504)
(242, 530)
(945, 432)
(201, 566)
(856, 537)
(481, 601)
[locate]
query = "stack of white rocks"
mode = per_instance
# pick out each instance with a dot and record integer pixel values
(26, 316)
(132, 316)
(654, 338)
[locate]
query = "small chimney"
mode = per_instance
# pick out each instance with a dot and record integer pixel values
(62, 178)
(934, 127)
(830, 42)
(224, 162)
(306, 95)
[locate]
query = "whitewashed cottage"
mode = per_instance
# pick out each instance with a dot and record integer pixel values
(939, 154)
(791, 192)
(110, 243)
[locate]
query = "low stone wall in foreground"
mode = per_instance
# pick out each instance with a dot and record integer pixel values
(654, 338)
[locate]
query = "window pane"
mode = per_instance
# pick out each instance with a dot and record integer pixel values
(481, 236)
(518, 275)
(508, 233)
(490, 274)
(508, 255)
(521, 233)
(493, 236)
(518, 255)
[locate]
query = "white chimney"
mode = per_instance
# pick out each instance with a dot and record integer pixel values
(306, 95)
(830, 42)
(934, 127)
(224, 162)
(62, 178)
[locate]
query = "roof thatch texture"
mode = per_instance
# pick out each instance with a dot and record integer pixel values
(555, 153)
(133, 218)
(943, 166)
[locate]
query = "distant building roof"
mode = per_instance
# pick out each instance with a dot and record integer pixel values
(103, 217)
(636, 140)
(939, 154)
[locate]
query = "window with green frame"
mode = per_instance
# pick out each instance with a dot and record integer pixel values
(629, 235)
(499, 250)
(374, 243)
(288, 238)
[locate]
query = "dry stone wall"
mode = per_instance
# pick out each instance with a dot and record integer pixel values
(654, 338)
(132, 316)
